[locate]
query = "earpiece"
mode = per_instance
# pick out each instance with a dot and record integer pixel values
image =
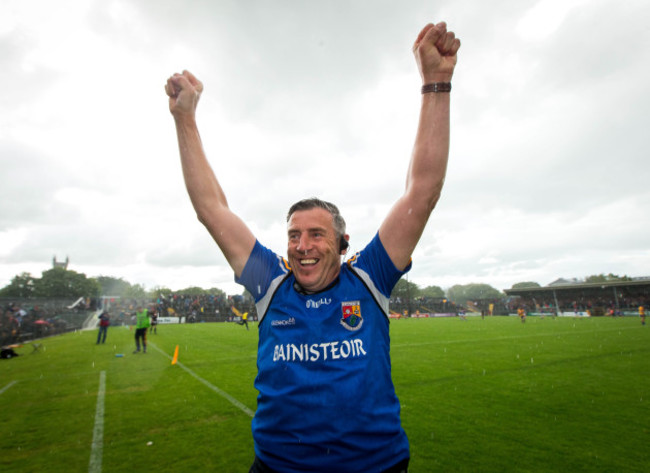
(343, 244)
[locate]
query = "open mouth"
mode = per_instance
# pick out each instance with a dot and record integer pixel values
(308, 262)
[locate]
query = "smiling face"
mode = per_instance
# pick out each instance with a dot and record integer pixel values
(313, 249)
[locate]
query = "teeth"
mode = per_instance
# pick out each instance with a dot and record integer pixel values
(308, 261)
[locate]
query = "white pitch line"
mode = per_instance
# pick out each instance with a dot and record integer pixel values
(220, 392)
(97, 448)
(7, 386)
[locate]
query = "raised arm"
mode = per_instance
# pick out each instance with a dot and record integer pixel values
(435, 52)
(231, 234)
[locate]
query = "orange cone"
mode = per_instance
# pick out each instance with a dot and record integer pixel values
(175, 359)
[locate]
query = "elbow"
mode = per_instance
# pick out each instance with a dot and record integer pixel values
(426, 196)
(203, 215)
(433, 201)
(434, 197)
(206, 210)
(204, 218)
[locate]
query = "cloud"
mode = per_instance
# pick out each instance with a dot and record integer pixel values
(547, 166)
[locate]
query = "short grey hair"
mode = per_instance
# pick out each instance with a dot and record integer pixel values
(314, 202)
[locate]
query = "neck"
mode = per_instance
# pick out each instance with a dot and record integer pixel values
(305, 292)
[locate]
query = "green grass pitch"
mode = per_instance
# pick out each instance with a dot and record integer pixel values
(491, 395)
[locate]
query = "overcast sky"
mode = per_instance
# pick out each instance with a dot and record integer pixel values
(548, 174)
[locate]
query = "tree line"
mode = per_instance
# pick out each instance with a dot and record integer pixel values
(64, 283)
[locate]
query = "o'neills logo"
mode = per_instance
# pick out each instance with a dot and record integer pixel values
(307, 352)
(352, 319)
(312, 304)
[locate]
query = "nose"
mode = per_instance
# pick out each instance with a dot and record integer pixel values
(303, 243)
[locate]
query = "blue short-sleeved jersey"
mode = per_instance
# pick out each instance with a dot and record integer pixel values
(326, 398)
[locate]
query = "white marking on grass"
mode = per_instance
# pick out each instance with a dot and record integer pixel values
(97, 448)
(220, 392)
(7, 386)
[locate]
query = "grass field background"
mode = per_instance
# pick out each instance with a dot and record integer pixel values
(490, 395)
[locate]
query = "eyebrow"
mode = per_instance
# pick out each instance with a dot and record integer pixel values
(310, 230)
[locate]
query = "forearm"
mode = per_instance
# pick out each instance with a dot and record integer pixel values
(435, 52)
(202, 185)
(406, 221)
(208, 199)
(428, 166)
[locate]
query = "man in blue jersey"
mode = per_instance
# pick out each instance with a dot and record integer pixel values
(326, 398)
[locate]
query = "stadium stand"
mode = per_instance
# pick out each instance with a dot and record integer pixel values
(576, 298)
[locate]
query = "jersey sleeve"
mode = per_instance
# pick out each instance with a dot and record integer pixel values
(375, 262)
(261, 269)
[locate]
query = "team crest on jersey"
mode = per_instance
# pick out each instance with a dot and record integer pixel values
(352, 319)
